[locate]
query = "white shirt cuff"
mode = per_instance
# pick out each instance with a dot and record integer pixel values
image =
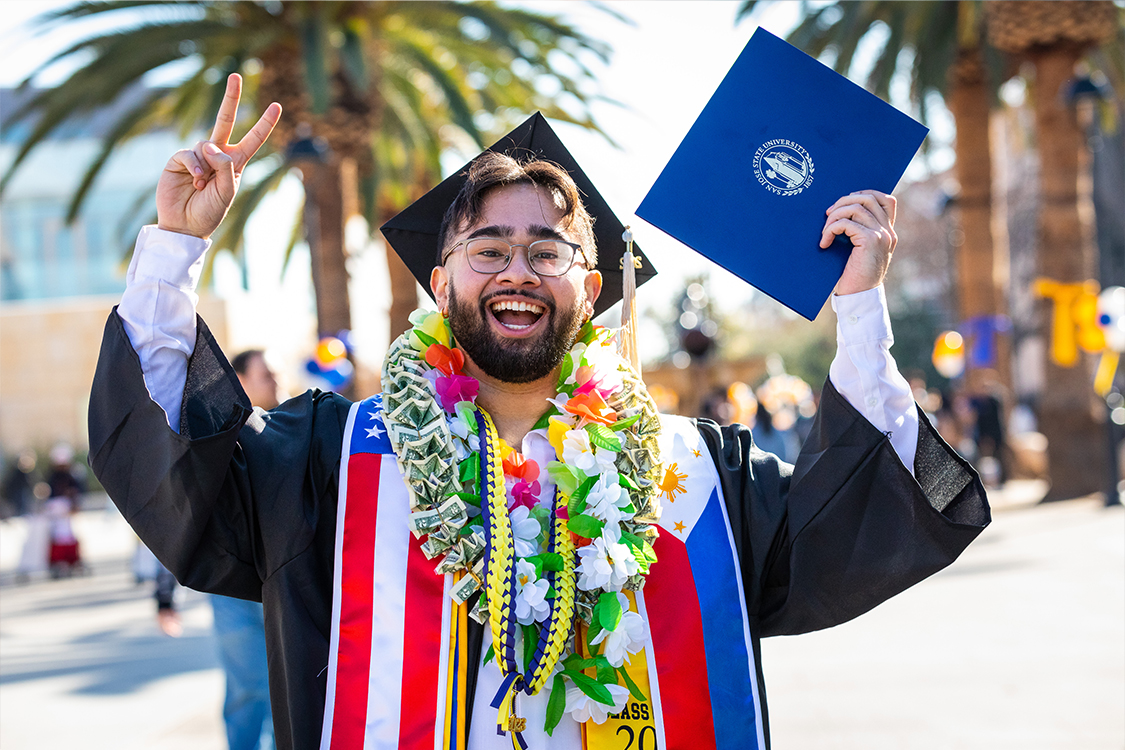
(176, 259)
(865, 373)
(862, 317)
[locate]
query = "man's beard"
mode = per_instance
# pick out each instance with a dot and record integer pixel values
(514, 360)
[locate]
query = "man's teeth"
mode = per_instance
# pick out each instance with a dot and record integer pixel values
(517, 306)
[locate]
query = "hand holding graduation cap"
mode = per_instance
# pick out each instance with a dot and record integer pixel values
(867, 217)
(197, 186)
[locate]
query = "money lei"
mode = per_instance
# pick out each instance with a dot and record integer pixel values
(448, 494)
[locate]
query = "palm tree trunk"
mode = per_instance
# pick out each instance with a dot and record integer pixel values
(324, 228)
(980, 293)
(1069, 413)
(404, 294)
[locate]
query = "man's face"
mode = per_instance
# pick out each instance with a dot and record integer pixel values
(514, 325)
(259, 383)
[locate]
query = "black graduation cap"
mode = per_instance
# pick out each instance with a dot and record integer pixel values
(413, 233)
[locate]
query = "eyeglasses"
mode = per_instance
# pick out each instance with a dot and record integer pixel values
(493, 255)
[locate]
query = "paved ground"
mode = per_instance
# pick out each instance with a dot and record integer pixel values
(1021, 644)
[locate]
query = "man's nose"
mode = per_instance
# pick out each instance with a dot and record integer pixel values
(519, 270)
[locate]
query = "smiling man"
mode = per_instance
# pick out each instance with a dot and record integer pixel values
(509, 547)
(517, 312)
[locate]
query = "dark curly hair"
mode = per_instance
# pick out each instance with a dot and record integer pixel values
(493, 170)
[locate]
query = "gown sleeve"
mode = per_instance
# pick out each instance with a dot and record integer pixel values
(239, 492)
(846, 527)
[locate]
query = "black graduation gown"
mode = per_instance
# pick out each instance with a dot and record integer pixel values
(243, 503)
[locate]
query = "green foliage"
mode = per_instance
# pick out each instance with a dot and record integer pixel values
(530, 639)
(633, 689)
(623, 424)
(402, 71)
(806, 349)
(608, 610)
(585, 526)
(551, 561)
(603, 437)
(425, 338)
(642, 551)
(565, 477)
(577, 503)
(590, 687)
(919, 40)
(556, 703)
(545, 420)
(592, 633)
(470, 498)
(468, 469)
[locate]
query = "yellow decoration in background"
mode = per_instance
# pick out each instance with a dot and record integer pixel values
(949, 354)
(1111, 318)
(330, 350)
(1074, 322)
(1107, 369)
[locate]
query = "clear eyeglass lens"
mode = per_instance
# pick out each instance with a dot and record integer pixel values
(546, 257)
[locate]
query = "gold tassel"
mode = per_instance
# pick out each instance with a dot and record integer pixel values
(627, 342)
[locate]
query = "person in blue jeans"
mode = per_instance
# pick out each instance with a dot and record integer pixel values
(240, 633)
(239, 624)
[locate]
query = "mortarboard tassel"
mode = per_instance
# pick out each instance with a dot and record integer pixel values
(627, 345)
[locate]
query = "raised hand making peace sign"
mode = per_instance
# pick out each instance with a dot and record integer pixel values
(198, 184)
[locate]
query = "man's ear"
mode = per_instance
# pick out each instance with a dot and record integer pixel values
(439, 285)
(593, 284)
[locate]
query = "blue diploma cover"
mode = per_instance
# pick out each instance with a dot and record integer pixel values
(781, 140)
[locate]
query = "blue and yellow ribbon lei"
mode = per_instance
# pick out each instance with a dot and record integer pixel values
(500, 591)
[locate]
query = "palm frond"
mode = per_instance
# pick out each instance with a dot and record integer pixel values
(313, 49)
(130, 124)
(745, 10)
(232, 230)
(460, 111)
(882, 72)
(854, 25)
(88, 89)
(295, 236)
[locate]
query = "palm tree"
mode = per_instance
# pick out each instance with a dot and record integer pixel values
(373, 93)
(940, 47)
(1054, 37)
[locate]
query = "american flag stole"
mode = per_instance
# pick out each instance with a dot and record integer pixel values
(397, 670)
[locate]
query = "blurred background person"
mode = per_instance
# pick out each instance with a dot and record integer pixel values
(66, 478)
(66, 486)
(239, 624)
(19, 484)
(167, 616)
(785, 411)
(257, 378)
(718, 407)
(772, 440)
(988, 430)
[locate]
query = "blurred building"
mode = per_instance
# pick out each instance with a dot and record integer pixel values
(58, 282)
